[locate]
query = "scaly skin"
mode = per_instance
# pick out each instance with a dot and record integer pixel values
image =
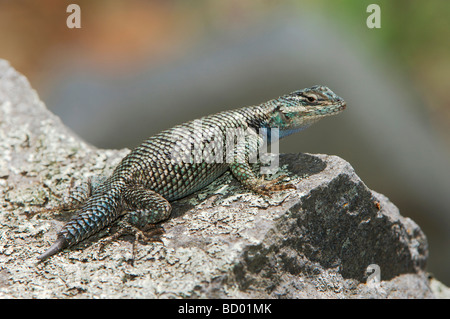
(186, 158)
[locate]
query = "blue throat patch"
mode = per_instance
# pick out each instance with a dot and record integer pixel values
(269, 138)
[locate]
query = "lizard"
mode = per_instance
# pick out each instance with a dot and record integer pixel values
(165, 167)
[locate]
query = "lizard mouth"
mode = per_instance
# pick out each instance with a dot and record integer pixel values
(340, 107)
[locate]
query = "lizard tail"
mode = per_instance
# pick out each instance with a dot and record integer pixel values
(99, 211)
(57, 246)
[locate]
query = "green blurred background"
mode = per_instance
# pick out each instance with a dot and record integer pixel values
(137, 67)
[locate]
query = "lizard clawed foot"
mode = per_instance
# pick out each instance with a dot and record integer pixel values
(150, 234)
(265, 188)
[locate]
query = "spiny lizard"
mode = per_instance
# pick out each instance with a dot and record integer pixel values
(186, 158)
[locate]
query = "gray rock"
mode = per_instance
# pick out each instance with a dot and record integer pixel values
(330, 238)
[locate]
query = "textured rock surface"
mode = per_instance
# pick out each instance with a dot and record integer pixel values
(222, 242)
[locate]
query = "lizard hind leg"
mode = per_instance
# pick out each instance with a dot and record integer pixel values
(150, 234)
(143, 209)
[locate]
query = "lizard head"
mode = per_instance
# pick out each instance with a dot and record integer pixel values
(298, 110)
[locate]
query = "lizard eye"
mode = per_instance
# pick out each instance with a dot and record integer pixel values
(311, 98)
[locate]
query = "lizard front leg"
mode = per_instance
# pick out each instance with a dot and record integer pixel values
(242, 170)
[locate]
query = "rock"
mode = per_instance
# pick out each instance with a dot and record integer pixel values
(332, 237)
